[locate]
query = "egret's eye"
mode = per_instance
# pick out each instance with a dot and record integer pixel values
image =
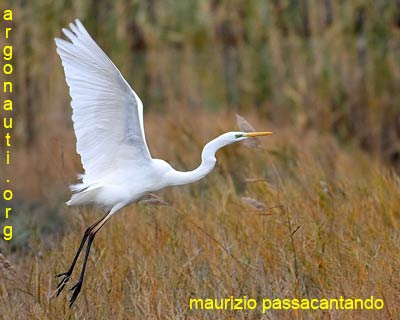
(238, 135)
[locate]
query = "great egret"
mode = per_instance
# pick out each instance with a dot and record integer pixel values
(108, 123)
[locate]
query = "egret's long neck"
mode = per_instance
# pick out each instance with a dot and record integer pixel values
(207, 164)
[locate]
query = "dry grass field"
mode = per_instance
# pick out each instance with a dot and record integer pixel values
(333, 232)
(314, 213)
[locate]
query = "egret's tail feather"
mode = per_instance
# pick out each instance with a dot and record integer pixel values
(79, 187)
(83, 194)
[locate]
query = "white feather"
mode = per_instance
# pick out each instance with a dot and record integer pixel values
(107, 113)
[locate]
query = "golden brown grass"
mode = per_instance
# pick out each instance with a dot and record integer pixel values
(341, 206)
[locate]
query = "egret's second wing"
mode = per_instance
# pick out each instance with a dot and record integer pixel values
(107, 113)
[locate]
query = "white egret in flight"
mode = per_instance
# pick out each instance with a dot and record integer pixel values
(108, 123)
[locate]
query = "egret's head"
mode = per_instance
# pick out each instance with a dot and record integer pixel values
(245, 135)
(236, 136)
(225, 139)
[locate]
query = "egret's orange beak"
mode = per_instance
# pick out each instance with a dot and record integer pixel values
(257, 134)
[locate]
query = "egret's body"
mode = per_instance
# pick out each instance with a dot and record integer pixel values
(122, 188)
(108, 124)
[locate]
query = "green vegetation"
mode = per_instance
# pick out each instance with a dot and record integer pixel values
(323, 75)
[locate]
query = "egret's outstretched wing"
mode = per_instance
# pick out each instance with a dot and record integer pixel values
(107, 113)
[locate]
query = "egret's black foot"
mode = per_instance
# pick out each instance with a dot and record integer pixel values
(77, 289)
(63, 282)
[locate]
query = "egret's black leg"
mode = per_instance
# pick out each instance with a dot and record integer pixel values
(77, 287)
(66, 275)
